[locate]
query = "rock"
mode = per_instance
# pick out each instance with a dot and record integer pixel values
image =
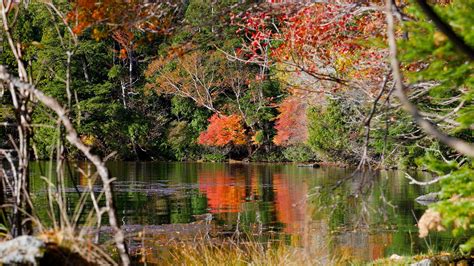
(428, 198)
(312, 165)
(396, 257)
(23, 249)
(425, 262)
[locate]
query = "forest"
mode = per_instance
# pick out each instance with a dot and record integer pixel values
(365, 87)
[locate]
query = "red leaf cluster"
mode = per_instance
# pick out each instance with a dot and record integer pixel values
(223, 130)
(291, 123)
(321, 39)
(323, 34)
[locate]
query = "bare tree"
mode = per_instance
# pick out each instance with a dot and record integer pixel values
(23, 96)
(21, 100)
(193, 75)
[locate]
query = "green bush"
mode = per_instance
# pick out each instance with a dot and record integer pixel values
(452, 72)
(299, 153)
(270, 156)
(329, 135)
(456, 203)
(181, 141)
(213, 157)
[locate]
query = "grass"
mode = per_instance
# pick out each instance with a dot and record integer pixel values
(229, 252)
(252, 252)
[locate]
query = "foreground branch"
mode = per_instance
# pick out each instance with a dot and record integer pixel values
(446, 29)
(426, 183)
(73, 138)
(429, 128)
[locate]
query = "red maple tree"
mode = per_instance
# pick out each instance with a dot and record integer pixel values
(328, 42)
(223, 130)
(291, 123)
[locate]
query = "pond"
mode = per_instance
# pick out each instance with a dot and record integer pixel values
(328, 211)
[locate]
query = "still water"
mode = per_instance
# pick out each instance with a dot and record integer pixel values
(328, 211)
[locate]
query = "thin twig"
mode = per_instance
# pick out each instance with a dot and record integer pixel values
(433, 181)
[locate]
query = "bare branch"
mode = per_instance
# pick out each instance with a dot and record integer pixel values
(433, 181)
(73, 138)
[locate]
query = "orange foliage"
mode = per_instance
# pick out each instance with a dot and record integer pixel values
(291, 123)
(223, 130)
(125, 39)
(225, 193)
(290, 203)
(120, 19)
(133, 14)
(191, 75)
(324, 36)
(325, 41)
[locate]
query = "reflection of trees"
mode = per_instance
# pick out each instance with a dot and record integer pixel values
(290, 202)
(370, 214)
(241, 197)
(357, 213)
(355, 218)
(357, 202)
(225, 192)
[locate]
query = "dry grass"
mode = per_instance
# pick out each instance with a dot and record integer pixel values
(228, 252)
(73, 245)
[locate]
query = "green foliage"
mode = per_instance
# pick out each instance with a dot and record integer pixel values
(114, 72)
(137, 131)
(270, 156)
(299, 153)
(185, 109)
(44, 137)
(259, 137)
(213, 157)
(183, 132)
(328, 132)
(260, 114)
(457, 199)
(452, 71)
(182, 141)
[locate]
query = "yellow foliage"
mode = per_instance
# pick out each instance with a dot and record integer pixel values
(88, 140)
(439, 38)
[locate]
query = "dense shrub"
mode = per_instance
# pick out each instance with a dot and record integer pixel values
(270, 156)
(181, 141)
(329, 133)
(299, 153)
(213, 157)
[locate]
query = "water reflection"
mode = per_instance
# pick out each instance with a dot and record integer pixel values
(367, 217)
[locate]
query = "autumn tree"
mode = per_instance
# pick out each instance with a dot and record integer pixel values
(224, 130)
(106, 16)
(319, 50)
(291, 124)
(192, 75)
(194, 66)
